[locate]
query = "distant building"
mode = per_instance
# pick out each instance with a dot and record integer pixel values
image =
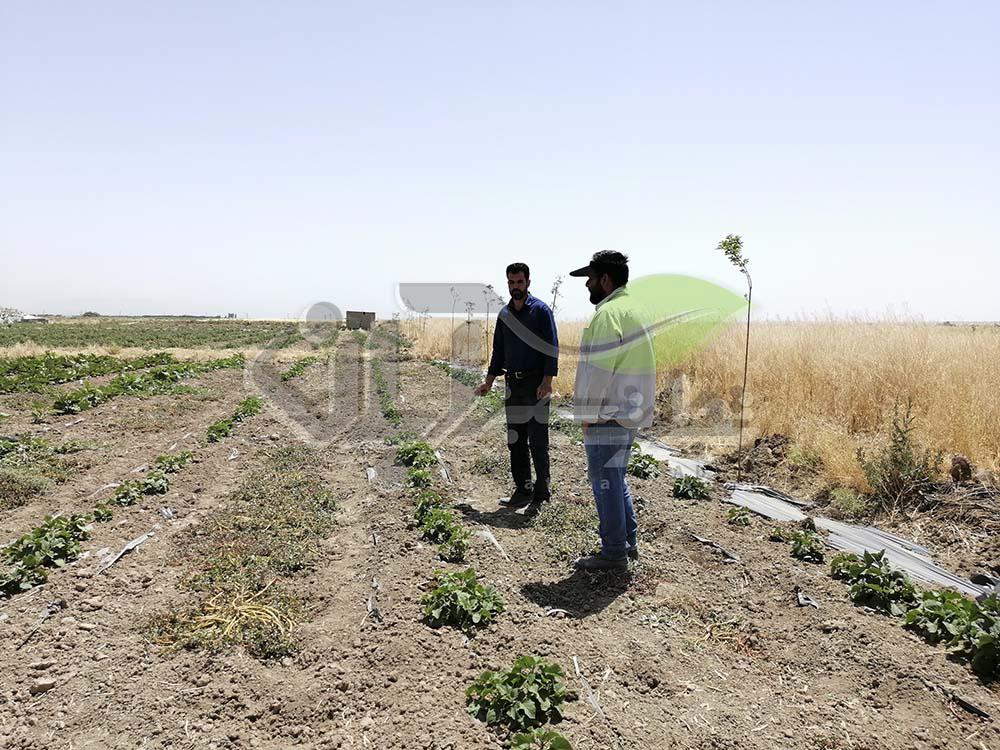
(33, 319)
(362, 320)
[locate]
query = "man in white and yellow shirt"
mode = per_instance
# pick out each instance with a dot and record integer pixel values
(613, 398)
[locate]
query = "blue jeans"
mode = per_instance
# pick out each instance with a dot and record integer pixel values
(608, 447)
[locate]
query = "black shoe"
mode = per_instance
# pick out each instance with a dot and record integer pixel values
(633, 553)
(534, 508)
(519, 499)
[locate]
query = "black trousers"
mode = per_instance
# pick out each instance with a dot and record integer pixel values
(528, 434)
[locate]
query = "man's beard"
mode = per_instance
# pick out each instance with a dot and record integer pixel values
(517, 294)
(597, 295)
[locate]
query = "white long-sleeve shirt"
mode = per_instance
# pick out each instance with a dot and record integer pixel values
(616, 374)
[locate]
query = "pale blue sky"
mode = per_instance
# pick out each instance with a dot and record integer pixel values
(207, 157)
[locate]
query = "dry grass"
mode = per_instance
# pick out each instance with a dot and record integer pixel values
(829, 385)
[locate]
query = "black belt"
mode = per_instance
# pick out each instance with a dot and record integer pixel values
(522, 374)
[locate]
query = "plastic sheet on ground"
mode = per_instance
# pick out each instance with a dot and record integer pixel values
(678, 465)
(901, 553)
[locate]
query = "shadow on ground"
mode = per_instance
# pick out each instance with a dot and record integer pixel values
(581, 594)
(501, 518)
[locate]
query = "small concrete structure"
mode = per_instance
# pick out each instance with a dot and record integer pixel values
(360, 320)
(33, 319)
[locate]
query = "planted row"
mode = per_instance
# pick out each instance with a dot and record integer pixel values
(389, 409)
(437, 522)
(37, 372)
(157, 380)
(248, 407)
(298, 368)
(156, 482)
(56, 541)
(491, 402)
(970, 629)
(531, 692)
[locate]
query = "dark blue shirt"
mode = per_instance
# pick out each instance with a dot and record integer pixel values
(525, 340)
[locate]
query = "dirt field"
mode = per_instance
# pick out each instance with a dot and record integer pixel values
(687, 651)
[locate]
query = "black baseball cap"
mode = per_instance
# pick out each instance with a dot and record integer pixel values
(602, 262)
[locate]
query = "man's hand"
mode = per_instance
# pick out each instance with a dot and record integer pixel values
(544, 390)
(584, 426)
(483, 388)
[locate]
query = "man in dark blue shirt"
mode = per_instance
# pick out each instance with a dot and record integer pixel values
(526, 352)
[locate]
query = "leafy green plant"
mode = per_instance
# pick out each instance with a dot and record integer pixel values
(128, 492)
(970, 629)
(778, 534)
(173, 463)
(453, 548)
(690, 488)
(874, 582)
(418, 478)
(248, 407)
(738, 516)
(102, 513)
(491, 402)
(155, 482)
(642, 465)
(540, 739)
(903, 472)
(439, 525)
(417, 454)
(426, 501)
(52, 544)
(219, 430)
(462, 601)
(982, 639)
(528, 694)
(808, 546)
(941, 616)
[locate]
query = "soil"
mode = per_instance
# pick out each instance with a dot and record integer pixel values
(685, 651)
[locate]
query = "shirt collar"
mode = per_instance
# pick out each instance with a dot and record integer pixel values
(618, 292)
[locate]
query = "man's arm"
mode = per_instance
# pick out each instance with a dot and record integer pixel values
(550, 369)
(496, 361)
(595, 369)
